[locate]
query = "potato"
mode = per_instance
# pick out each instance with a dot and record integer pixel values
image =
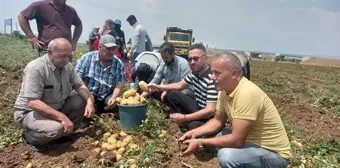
(119, 144)
(105, 145)
(111, 140)
(115, 136)
(144, 86)
(106, 135)
(133, 166)
(111, 146)
(124, 144)
(29, 165)
(130, 92)
(122, 134)
(124, 102)
(121, 150)
(119, 157)
(131, 161)
(137, 97)
(119, 99)
(133, 102)
(130, 98)
(133, 146)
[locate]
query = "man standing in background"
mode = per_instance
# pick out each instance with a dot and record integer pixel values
(138, 39)
(54, 20)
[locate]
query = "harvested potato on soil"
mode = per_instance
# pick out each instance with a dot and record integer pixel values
(144, 86)
(122, 134)
(106, 135)
(96, 150)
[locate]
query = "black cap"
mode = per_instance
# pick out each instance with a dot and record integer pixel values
(131, 17)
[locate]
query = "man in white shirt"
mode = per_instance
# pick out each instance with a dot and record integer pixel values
(138, 39)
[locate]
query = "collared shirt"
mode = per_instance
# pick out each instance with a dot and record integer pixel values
(172, 73)
(99, 80)
(42, 80)
(204, 87)
(249, 102)
(51, 22)
(139, 38)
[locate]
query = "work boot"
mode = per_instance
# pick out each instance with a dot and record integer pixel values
(66, 138)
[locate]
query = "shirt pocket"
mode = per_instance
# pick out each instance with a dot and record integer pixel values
(49, 94)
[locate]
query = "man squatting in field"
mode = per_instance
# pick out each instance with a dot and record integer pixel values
(172, 69)
(103, 73)
(54, 20)
(189, 112)
(257, 137)
(53, 100)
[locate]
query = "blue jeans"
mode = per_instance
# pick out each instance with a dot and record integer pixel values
(249, 155)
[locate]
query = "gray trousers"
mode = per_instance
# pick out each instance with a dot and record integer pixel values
(41, 130)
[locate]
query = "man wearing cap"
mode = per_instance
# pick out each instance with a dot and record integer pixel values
(54, 20)
(138, 39)
(121, 35)
(103, 73)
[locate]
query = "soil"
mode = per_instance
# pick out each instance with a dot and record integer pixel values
(311, 120)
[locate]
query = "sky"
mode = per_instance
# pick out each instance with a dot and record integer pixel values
(304, 27)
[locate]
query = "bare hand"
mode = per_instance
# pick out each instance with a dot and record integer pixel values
(163, 95)
(153, 87)
(192, 147)
(89, 110)
(188, 135)
(67, 124)
(112, 103)
(35, 42)
(178, 118)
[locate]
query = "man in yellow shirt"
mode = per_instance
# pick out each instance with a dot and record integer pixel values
(257, 137)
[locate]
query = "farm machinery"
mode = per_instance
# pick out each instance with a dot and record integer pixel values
(181, 38)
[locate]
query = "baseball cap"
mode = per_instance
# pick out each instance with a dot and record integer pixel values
(108, 41)
(118, 22)
(109, 21)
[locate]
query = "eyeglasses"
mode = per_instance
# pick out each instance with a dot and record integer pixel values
(195, 58)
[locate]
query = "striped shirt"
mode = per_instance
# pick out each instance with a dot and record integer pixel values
(100, 81)
(204, 88)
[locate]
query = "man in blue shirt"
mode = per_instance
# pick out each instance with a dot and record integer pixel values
(103, 73)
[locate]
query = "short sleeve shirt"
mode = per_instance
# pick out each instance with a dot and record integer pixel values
(249, 102)
(99, 80)
(204, 88)
(51, 22)
(42, 80)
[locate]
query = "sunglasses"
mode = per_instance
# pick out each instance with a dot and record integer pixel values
(195, 58)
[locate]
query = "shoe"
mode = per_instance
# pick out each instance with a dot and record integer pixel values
(33, 146)
(66, 138)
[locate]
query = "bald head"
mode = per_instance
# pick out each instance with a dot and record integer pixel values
(232, 59)
(59, 43)
(59, 51)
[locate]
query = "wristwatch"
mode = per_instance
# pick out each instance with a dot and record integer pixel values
(200, 145)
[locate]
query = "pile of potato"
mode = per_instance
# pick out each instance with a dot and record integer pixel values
(131, 97)
(118, 144)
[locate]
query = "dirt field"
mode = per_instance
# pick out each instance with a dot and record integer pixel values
(307, 98)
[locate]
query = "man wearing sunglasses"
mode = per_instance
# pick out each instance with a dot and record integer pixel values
(103, 73)
(190, 113)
